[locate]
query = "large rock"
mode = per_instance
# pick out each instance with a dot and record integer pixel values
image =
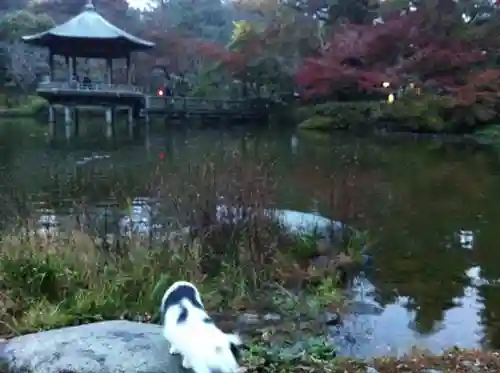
(104, 347)
(296, 222)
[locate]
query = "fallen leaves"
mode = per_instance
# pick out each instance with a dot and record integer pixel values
(452, 361)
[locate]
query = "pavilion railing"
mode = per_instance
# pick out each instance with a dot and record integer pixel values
(77, 86)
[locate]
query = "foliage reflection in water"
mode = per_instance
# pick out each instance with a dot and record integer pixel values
(432, 209)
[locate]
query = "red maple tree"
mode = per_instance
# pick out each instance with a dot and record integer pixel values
(417, 46)
(357, 57)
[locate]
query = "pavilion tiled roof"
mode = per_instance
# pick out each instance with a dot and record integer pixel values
(88, 35)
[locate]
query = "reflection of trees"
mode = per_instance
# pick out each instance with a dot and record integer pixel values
(490, 314)
(428, 205)
(16, 138)
(426, 320)
(385, 296)
(415, 200)
(487, 255)
(345, 184)
(431, 278)
(413, 256)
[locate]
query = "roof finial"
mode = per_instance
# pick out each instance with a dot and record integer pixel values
(89, 6)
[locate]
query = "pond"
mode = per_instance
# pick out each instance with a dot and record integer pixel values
(433, 210)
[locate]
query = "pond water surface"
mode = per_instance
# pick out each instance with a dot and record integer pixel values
(433, 210)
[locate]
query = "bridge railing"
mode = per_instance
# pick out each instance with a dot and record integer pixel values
(90, 87)
(196, 104)
(192, 103)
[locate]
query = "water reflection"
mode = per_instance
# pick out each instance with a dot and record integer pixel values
(394, 331)
(466, 239)
(94, 157)
(432, 210)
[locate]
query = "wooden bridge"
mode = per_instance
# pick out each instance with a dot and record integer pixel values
(175, 107)
(202, 108)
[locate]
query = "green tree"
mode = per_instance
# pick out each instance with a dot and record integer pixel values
(15, 24)
(18, 62)
(203, 19)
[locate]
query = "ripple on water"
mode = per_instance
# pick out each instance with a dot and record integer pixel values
(370, 330)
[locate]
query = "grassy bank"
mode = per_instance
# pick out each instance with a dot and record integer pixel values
(72, 281)
(411, 113)
(250, 263)
(355, 116)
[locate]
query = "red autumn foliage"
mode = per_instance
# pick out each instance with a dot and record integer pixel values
(417, 46)
(358, 56)
(482, 85)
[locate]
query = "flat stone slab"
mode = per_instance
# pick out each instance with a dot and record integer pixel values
(103, 347)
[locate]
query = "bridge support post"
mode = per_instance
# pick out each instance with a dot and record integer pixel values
(109, 123)
(131, 123)
(146, 127)
(76, 120)
(52, 123)
(68, 119)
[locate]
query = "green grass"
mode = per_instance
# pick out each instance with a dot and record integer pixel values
(30, 106)
(72, 280)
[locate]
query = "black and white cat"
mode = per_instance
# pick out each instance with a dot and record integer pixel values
(192, 333)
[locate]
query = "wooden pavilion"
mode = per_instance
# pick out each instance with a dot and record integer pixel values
(89, 35)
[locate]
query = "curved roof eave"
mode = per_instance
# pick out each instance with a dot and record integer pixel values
(87, 25)
(38, 39)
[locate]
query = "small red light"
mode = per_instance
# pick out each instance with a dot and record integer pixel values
(162, 156)
(160, 92)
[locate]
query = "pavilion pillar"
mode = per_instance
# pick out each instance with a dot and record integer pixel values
(109, 68)
(68, 64)
(73, 67)
(51, 66)
(129, 75)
